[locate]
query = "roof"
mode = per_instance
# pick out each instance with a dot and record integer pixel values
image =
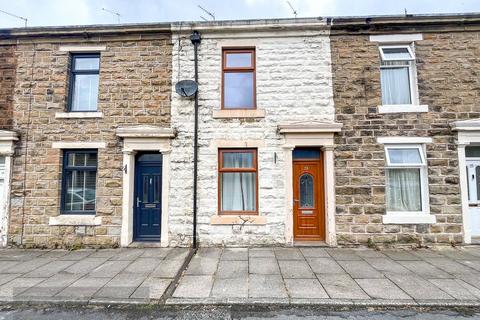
(333, 22)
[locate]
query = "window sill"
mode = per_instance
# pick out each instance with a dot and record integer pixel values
(409, 218)
(402, 108)
(78, 115)
(238, 219)
(75, 220)
(243, 113)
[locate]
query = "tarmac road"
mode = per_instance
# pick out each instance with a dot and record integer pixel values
(8, 312)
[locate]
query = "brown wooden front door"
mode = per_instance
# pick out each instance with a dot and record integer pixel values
(308, 200)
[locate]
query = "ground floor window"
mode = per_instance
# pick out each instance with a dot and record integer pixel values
(79, 181)
(238, 181)
(405, 178)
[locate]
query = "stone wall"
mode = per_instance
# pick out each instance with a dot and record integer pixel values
(448, 82)
(293, 84)
(135, 84)
(7, 82)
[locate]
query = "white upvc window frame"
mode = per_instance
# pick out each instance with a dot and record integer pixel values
(412, 72)
(410, 217)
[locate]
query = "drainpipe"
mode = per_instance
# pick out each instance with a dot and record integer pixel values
(196, 39)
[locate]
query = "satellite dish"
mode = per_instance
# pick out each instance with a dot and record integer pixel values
(186, 88)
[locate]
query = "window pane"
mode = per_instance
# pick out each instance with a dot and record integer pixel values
(472, 152)
(404, 190)
(80, 190)
(81, 159)
(396, 53)
(306, 191)
(238, 60)
(238, 90)
(85, 92)
(477, 182)
(86, 63)
(395, 86)
(237, 160)
(407, 155)
(306, 154)
(238, 191)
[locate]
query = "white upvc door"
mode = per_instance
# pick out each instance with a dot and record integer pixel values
(3, 207)
(473, 179)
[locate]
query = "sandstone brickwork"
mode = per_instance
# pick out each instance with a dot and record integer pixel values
(135, 84)
(448, 82)
(7, 82)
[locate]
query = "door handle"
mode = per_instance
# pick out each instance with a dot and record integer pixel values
(138, 202)
(296, 200)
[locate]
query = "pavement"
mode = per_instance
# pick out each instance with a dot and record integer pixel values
(244, 276)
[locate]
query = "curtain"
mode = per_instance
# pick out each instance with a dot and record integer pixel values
(404, 190)
(395, 86)
(238, 188)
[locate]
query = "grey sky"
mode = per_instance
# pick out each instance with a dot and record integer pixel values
(75, 12)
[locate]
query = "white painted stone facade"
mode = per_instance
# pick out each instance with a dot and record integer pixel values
(293, 83)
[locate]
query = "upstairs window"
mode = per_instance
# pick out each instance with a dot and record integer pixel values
(79, 181)
(84, 80)
(398, 75)
(406, 178)
(238, 79)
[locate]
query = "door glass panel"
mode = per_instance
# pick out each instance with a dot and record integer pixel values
(472, 152)
(156, 189)
(306, 191)
(306, 154)
(145, 189)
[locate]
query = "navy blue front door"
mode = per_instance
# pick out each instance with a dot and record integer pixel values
(148, 197)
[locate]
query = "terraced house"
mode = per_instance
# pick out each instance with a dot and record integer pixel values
(315, 131)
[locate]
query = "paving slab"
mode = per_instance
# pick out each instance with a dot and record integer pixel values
(104, 253)
(295, 269)
(77, 254)
(387, 265)
(314, 253)
(288, 254)
(159, 253)
(194, 287)
(56, 254)
(213, 253)
(451, 266)
(18, 285)
(83, 288)
(49, 269)
(418, 288)
(340, 286)
(143, 266)
(51, 286)
(261, 253)
(425, 269)
(7, 277)
(8, 265)
(454, 288)
(266, 286)
(382, 289)
(458, 254)
(109, 269)
(305, 289)
(202, 266)
(235, 254)
(167, 269)
(360, 269)
(325, 266)
(20, 254)
(127, 254)
(474, 264)
(85, 265)
(230, 288)
(228, 269)
(151, 288)
(177, 254)
(343, 254)
(401, 255)
(367, 253)
(263, 266)
(28, 266)
(121, 286)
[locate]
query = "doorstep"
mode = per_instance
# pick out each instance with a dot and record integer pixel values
(310, 244)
